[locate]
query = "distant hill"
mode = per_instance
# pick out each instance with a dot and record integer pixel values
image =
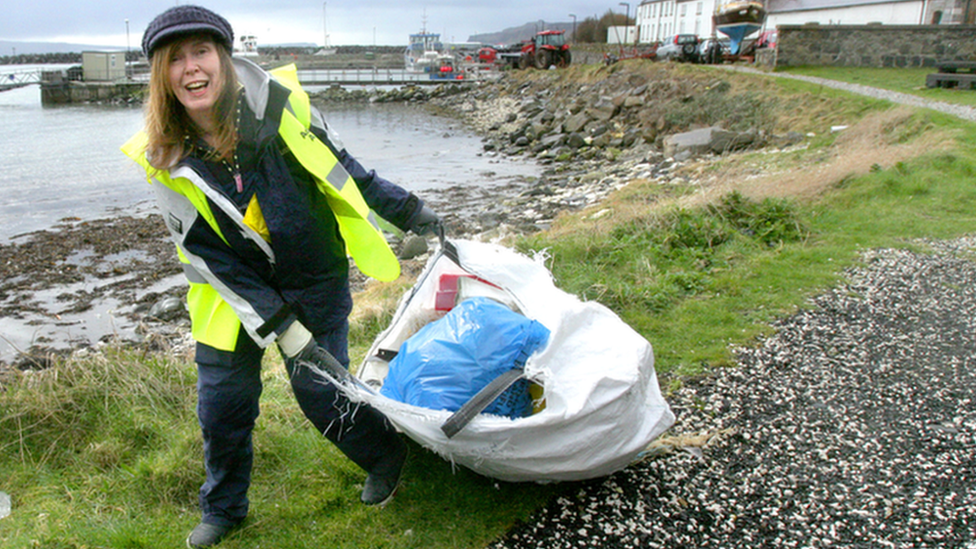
(9, 47)
(515, 35)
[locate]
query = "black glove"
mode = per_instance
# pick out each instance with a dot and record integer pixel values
(426, 222)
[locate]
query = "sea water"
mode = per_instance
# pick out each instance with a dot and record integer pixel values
(64, 161)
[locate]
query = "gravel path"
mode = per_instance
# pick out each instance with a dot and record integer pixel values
(961, 111)
(853, 426)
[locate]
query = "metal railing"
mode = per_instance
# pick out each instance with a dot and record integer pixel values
(19, 78)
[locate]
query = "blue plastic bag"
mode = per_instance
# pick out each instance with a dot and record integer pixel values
(449, 360)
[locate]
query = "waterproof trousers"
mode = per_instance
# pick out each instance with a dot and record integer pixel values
(228, 390)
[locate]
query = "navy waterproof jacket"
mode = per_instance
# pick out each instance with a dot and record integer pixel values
(309, 279)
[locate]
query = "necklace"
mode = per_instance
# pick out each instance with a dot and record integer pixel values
(235, 171)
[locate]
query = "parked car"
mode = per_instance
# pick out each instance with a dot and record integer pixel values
(714, 50)
(680, 47)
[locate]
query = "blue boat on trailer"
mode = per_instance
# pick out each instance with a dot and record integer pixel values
(737, 20)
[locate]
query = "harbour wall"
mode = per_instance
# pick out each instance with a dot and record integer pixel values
(63, 92)
(870, 45)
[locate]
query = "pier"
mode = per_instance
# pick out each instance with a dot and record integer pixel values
(19, 78)
(57, 88)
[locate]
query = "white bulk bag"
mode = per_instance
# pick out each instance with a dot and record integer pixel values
(602, 403)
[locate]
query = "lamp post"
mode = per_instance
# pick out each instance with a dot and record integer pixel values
(325, 29)
(126, 49)
(626, 19)
(573, 15)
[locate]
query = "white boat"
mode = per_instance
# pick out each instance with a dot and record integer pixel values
(426, 53)
(248, 47)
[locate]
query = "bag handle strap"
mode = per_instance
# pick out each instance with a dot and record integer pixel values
(480, 401)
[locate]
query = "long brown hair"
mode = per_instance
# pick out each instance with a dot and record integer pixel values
(167, 123)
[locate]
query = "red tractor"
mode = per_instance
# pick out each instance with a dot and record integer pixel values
(545, 49)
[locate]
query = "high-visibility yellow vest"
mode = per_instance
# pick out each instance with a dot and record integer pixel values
(213, 320)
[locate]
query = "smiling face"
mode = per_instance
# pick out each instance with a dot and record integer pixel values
(195, 79)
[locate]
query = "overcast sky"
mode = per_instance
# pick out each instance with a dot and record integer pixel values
(383, 22)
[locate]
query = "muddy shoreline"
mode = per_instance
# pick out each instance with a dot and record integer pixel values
(117, 280)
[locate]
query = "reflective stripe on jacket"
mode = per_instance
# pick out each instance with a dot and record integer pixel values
(184, 196)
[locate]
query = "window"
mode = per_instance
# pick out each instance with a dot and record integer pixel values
(698, 9)
(684, 10)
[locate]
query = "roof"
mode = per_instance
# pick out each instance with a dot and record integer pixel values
(779, 6)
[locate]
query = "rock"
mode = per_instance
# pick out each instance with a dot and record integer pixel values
(553, 140)
(413, 246)
(593, 177)
(575, 122)
(714, 139)
(168, 308)
(632, 101)
(575, 141)
(726, 141)
(602, 111)
(596, 129)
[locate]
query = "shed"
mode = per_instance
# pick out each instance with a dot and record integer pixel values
(102, 66)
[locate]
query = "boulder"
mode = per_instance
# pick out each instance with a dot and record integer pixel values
(713, 139)
(634, 101)
(604, 110)
(575, 141)
(575, 122)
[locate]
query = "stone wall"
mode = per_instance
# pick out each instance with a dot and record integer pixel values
(873, 45)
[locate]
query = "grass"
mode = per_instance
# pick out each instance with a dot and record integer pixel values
(104, 451)
(907, 80)
(697, 281)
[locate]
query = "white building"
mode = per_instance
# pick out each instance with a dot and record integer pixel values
(845, 12)
(659, 19)
(622, 34)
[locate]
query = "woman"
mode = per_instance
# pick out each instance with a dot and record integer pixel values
(263, 204)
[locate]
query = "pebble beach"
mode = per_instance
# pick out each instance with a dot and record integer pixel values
(852, 426)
